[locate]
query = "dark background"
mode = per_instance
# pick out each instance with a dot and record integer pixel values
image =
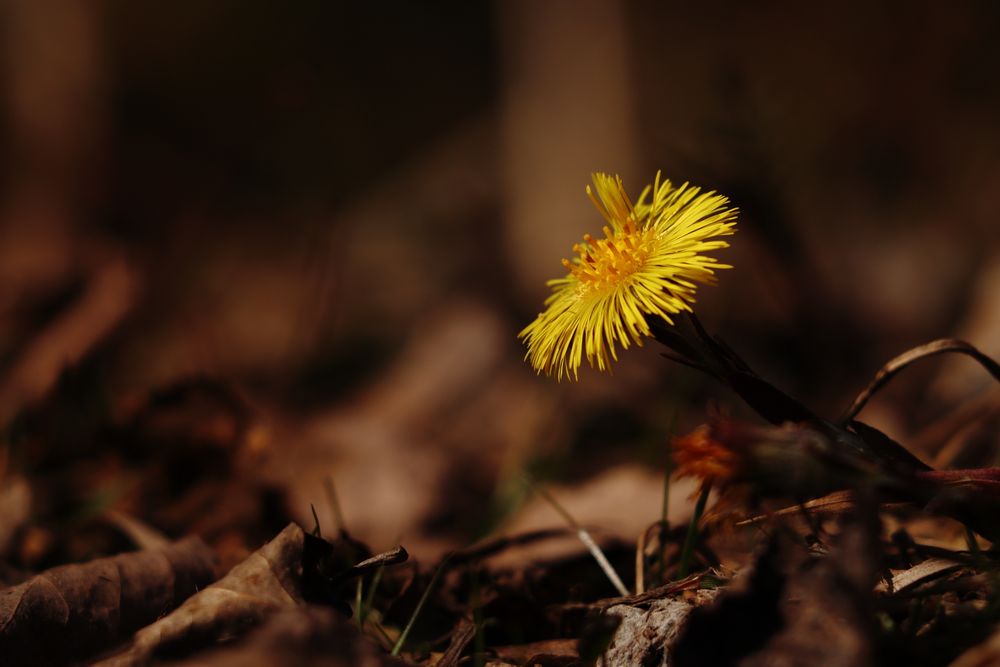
(347, 211)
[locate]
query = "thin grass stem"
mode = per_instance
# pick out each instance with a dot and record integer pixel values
(692, 533)
(357, 602)
(370, 597)
(420, 606)
(583, 536)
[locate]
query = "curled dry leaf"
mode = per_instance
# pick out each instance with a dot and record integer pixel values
(267, 581)
(80, 609)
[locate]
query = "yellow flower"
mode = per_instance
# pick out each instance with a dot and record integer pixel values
(648, 263)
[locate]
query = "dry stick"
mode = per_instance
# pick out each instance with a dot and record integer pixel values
(902, 361)
(583, 535)
(420, 605)
(376, 562)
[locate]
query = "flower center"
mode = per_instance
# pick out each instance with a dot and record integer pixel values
(607, 263)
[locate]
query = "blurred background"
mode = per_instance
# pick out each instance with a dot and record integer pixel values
(255, 252)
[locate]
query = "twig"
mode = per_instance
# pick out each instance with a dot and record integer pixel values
(657, 593)
(583, 536)
(897, 364)
(391, 557)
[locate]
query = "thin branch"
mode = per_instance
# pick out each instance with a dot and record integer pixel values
(688, 583)
(378, 561)
(887, 372)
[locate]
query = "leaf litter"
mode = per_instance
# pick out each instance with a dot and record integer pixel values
(829, 544)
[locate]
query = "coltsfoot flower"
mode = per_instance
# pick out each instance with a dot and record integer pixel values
(700, 455)
(648, 264)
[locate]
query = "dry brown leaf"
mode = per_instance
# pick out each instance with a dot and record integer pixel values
(88, 607)
(265, 582)
(306, 636)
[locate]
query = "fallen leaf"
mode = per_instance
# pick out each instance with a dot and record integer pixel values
(88, 607)
(306, 636)
(267, 581)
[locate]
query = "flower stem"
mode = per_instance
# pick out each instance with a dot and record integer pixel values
(692, 532)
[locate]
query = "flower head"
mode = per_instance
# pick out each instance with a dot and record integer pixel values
(648, 263)
(700, 455)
